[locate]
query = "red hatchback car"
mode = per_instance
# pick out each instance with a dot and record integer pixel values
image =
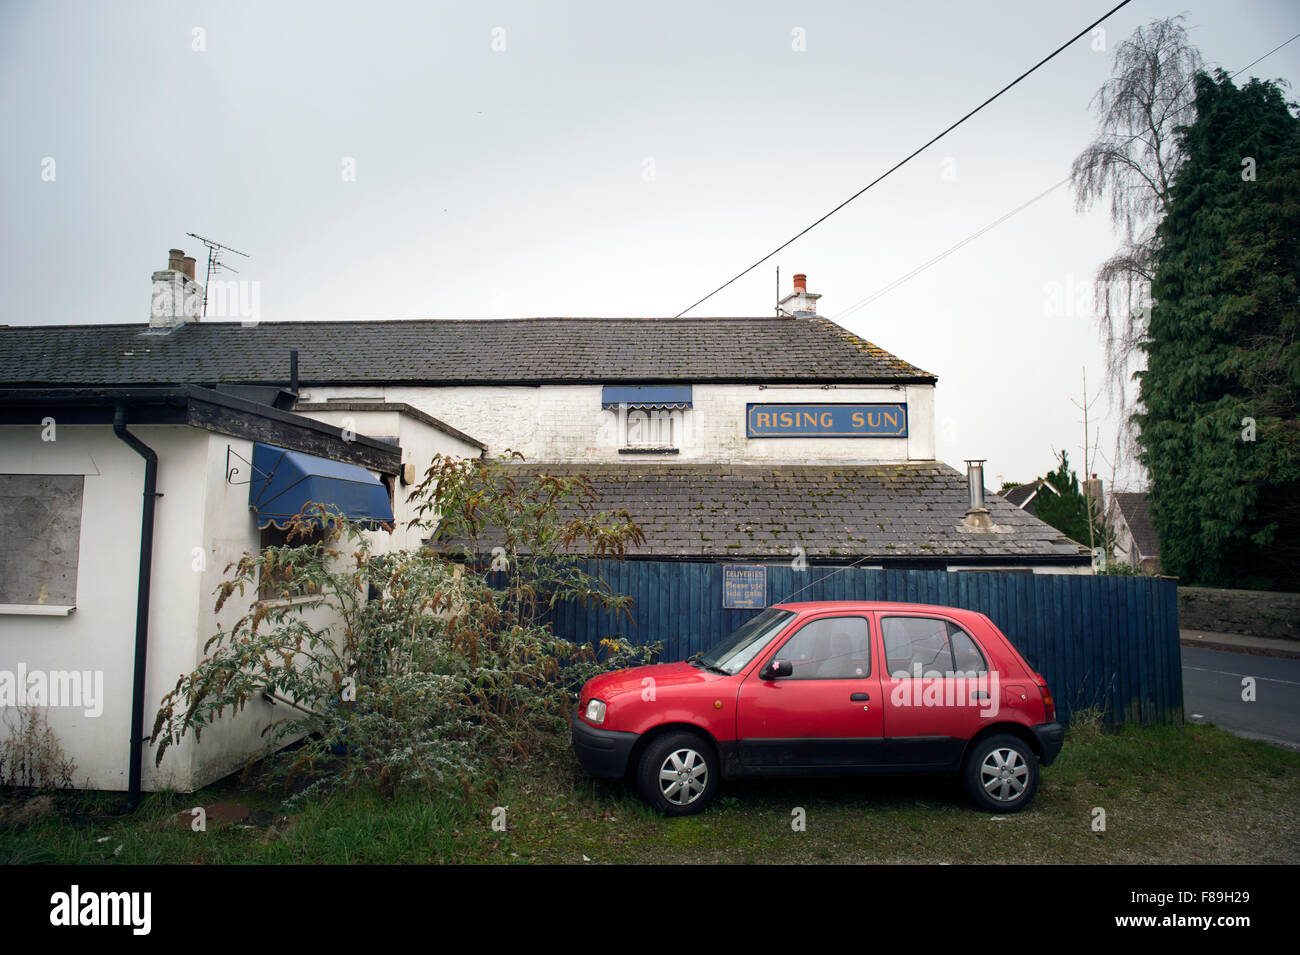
(830, 688)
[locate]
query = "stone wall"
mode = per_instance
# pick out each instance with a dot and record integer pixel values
(1255, 612)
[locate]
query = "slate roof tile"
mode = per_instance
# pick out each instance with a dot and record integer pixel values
(533, 350)
(761, 513)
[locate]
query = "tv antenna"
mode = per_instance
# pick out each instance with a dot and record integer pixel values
(215, 251)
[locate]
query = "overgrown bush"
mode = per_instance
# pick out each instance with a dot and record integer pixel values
(31, 755)
(532, 533)
(425, 673)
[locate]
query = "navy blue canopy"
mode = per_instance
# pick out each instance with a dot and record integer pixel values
(646, 396)
(284, 481)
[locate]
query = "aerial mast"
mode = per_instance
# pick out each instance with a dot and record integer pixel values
(215, 264)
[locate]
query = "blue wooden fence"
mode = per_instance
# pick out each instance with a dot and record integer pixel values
(1107, 641)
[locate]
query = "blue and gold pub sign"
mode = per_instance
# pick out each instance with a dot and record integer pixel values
(826, 420)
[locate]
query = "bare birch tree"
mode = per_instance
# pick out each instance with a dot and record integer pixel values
(1132, 164)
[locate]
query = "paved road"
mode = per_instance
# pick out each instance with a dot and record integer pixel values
(1212, 688)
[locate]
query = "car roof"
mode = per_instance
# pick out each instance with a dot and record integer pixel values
(862, 605)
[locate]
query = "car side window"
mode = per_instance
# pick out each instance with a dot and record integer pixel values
(833, 648)
(928, 646)
(915, 646)
(965, 654)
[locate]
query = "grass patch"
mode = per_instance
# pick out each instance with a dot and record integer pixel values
(1172, 794)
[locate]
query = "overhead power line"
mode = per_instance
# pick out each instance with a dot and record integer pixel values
(1266, 55)
(916, 152)
(908, 276)
(863, 303)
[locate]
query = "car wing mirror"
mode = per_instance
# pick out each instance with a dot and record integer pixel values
(776, 670)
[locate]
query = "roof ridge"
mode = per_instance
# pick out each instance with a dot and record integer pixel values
(215, 323)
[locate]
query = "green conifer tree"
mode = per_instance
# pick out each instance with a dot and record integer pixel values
(1221, 392)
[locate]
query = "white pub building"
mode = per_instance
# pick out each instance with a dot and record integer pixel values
(138, 459)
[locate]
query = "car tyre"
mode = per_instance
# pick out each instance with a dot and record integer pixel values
(678, 774)
(1001, 773)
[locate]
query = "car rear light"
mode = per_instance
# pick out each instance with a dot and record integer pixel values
(1049, 705)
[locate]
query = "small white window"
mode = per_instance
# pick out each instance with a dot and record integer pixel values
(650, 418)
(652, 428)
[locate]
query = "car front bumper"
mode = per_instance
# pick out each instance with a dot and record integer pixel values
(601, 752)
(1051, 737)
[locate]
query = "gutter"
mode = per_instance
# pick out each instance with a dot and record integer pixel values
(136, 746)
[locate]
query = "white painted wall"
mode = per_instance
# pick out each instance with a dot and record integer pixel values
(419, 440)
(565, 423)
(1125, 550)
(100, 634)
(229, 531)
(202, 524)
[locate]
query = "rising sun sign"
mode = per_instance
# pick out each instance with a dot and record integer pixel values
(826, 421)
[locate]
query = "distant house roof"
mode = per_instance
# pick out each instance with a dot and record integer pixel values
(892, 514)
(1022, 496)
(1133, 506)
(436, 352)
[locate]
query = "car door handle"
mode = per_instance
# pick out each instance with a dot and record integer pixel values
(859, 697)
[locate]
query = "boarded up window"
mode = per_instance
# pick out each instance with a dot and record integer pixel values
(40, 531)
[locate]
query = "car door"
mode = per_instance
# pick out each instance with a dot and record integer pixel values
(938, 687)
(826, 715)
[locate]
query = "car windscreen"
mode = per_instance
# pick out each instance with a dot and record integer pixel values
(743, 643)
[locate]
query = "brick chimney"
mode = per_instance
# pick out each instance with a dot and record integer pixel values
(1092, 490)
(800, 303)
(177, 298)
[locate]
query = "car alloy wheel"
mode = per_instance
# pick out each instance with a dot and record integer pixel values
(683, 777)
(678, 774)
(1001, 773)
(1004, 775)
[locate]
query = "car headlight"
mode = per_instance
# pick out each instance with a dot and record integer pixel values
(595, 711)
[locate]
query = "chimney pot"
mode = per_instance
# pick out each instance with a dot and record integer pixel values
(800, 303)
(177, 298)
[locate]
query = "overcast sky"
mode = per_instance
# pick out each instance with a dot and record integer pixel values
(597, 159)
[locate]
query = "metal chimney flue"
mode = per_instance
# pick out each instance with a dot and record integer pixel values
(975, 483)
(977, 514)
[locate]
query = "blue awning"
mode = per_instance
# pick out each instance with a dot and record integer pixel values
(646, 396)
(284, 481)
